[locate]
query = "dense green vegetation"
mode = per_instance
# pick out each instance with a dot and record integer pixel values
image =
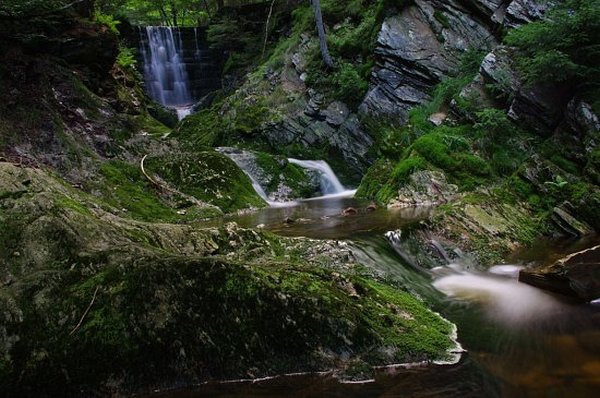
(111, 281)
(563, 47)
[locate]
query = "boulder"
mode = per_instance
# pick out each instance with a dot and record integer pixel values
(577, 275)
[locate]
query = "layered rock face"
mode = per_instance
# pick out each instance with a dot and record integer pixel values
(424, 44)
(417, 49)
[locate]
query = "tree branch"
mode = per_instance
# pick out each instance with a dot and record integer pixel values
(85, 312)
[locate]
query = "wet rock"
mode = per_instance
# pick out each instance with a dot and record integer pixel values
(348, 141)
(349, 211)
(577, 275)
(425, 188)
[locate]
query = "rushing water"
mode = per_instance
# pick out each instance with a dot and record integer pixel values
(330, 184)
(165, 73)
(520, 341)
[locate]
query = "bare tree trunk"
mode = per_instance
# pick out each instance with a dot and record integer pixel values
(322, 37)
(267, 28)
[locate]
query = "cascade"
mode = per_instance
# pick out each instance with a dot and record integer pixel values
(330, 184)
(165, 73)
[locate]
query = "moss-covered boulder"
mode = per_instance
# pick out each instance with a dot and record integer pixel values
(208, 176)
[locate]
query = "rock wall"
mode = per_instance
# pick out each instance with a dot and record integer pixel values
(424, 44)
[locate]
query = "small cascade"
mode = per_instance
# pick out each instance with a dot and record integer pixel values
(165, 72)
(245, 161)
(330, 184)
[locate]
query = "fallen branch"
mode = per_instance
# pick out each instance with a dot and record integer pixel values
(85, 312)
(146, 174)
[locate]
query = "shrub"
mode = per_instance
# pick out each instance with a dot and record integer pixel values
(126, 59)
(109, 21)
(563, 46)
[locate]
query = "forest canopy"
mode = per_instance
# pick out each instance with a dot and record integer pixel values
(143, 12)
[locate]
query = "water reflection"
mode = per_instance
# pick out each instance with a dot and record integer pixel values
(321, 218)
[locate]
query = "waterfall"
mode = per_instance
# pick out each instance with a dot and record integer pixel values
(330, 184)
(164, 70)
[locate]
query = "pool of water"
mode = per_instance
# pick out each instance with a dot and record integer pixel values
(520, 341)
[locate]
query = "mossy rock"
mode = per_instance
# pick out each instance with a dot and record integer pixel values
(102, 304)
(208, 176)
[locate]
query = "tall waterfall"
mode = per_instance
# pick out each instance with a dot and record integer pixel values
(165, 73)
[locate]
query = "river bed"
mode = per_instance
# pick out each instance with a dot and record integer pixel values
(520, 341)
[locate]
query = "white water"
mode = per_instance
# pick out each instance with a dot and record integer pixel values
(504, 298)
(164, 71)
(330, 184)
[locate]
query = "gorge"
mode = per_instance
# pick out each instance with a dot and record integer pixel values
(194, 203)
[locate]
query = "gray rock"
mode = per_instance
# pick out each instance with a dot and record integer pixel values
(416, 50)
(336, 113)
(425, 188)
(520, 12)
(581, 118)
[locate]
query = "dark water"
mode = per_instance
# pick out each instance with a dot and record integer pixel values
(520, 341)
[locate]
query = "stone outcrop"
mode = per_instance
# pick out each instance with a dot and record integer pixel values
(424, 188)
(520, 12)
(416, 50)
(539, 107)
(577, 275)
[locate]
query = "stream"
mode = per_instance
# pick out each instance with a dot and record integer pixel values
(519, 341)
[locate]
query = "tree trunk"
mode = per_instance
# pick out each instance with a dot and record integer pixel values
(321, 31)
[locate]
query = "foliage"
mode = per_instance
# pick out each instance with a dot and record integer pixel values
(350, 85)
(126, 58)
(563, 46)
(109, 21)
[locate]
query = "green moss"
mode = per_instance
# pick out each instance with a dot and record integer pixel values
(209, 176)
(375, 179)
(281, 171)
(442, 18)
(406, 167)
(125, 187)
(203, 129)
